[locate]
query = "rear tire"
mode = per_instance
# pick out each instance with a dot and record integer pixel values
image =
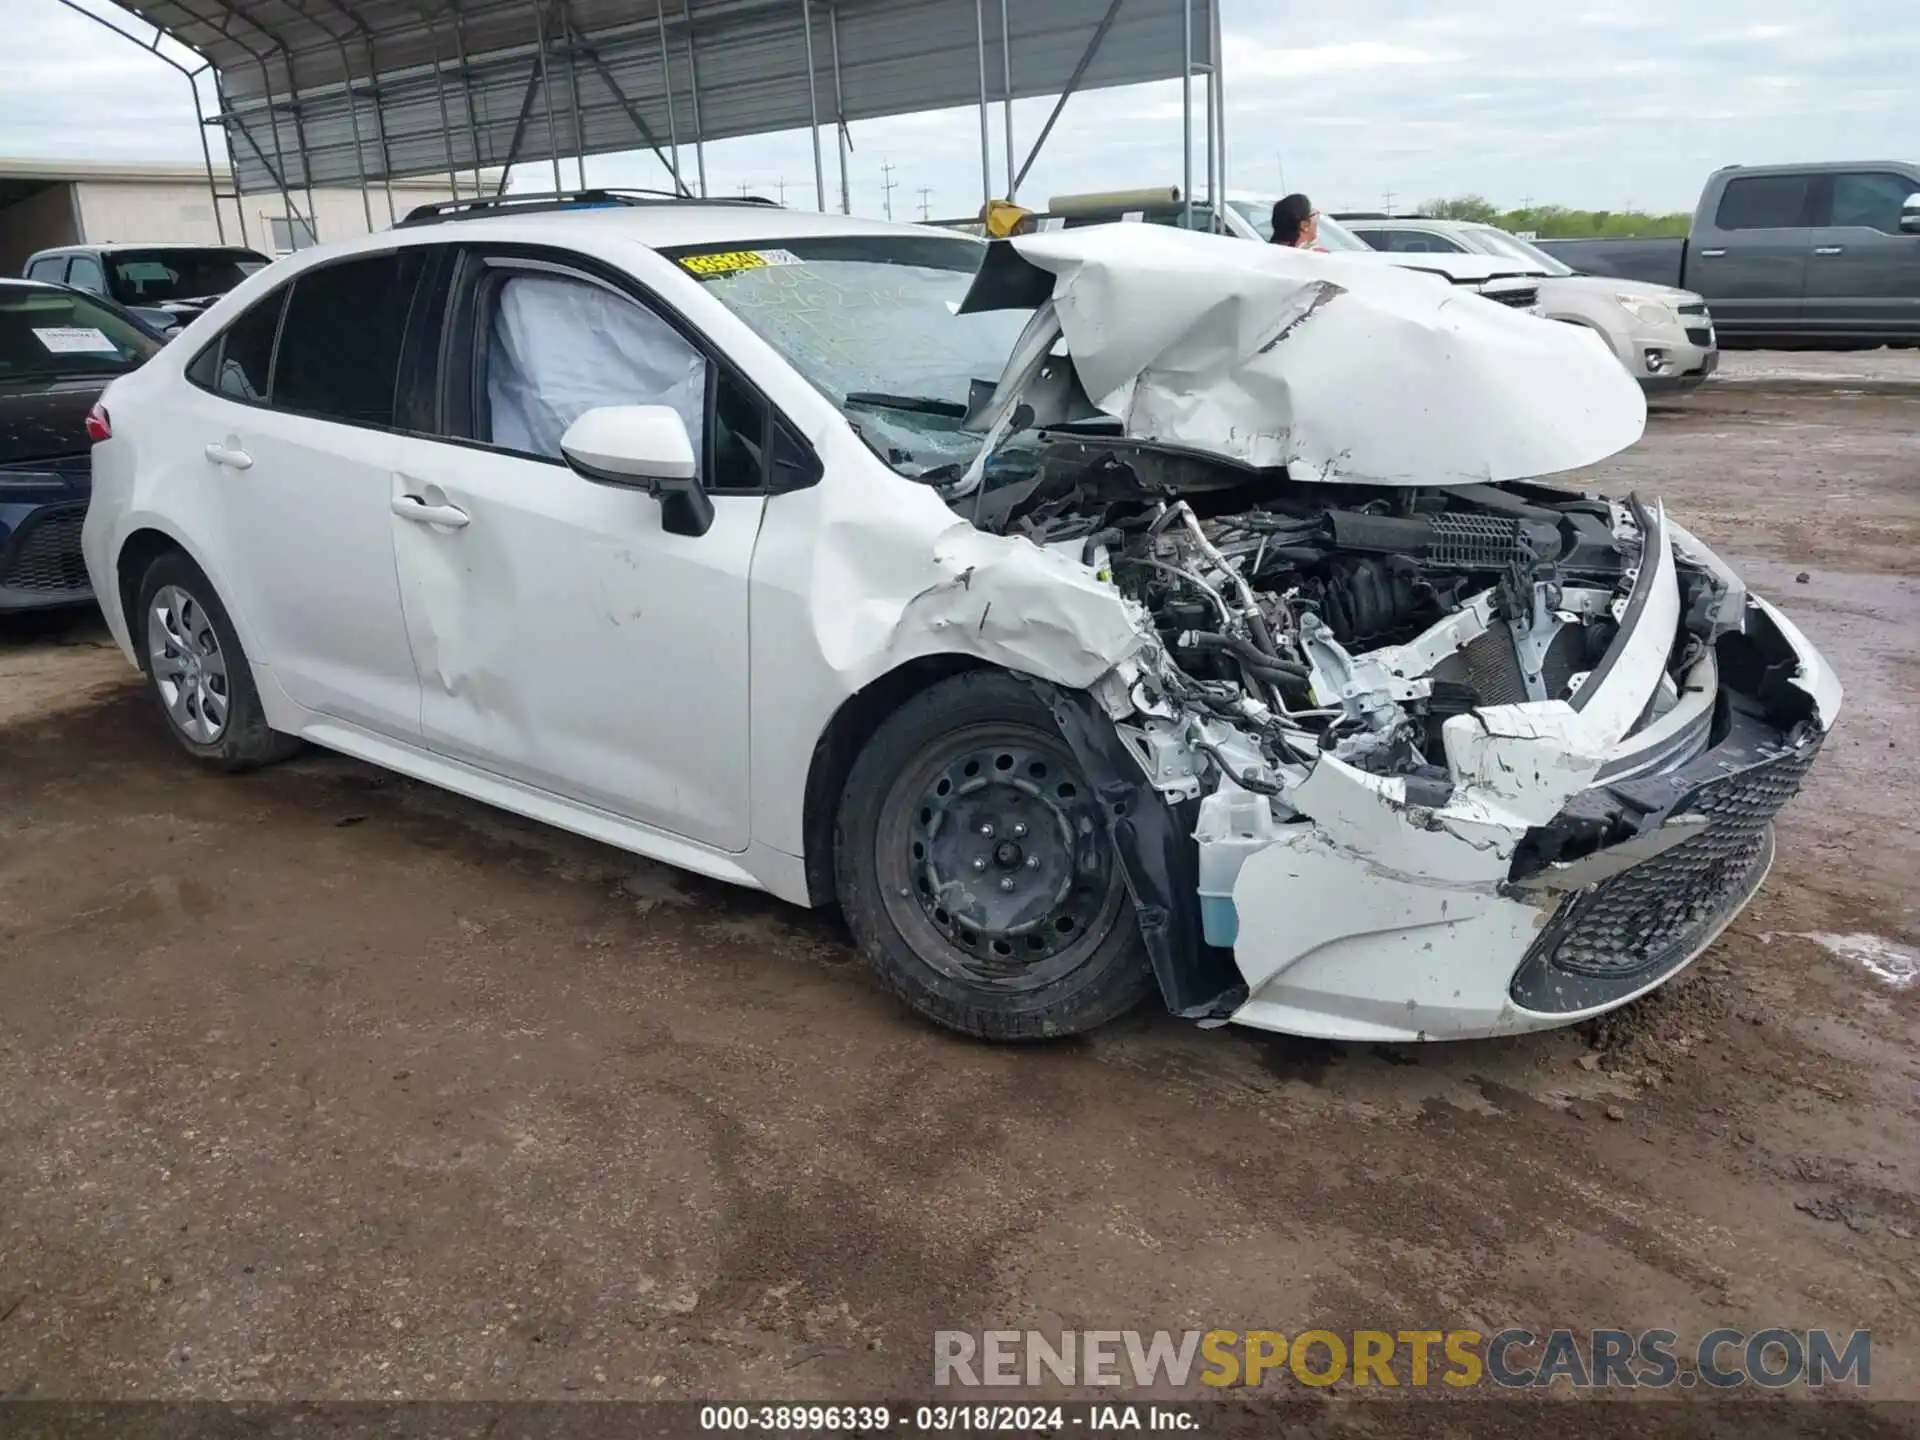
(197, 670)
(975, 870)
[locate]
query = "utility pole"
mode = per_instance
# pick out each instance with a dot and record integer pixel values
(1389, 204)
(746, 189)
(926, 207)
(781, 185)
(887, 185)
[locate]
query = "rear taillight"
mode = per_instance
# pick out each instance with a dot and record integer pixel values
(99, 427)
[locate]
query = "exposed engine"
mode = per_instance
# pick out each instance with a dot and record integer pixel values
(1341, 618)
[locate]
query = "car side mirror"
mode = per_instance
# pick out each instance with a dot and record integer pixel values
(1910, 215)
(643, 447)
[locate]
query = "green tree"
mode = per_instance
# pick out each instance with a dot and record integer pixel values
(1557, 222)
(1463, 207)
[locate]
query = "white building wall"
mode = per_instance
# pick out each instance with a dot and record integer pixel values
(181, 211)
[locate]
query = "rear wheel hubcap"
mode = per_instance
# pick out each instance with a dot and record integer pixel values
(189, 669)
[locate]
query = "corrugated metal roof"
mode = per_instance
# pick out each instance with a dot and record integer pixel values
(298, 76)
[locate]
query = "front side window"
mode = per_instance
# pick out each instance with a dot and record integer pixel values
(1870, 199)
(49, 334)
(84, 273)
(1763, 202)
(558, 347)
(870, 321)
(152, 277)
(339, 351)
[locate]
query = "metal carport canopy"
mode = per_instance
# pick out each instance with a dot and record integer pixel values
(333, 92)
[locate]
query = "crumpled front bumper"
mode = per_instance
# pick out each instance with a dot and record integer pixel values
(1577, 862)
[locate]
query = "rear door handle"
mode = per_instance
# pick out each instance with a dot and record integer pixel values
(231, 456)
(412, 507)
(1712, 254)
(1827, 249)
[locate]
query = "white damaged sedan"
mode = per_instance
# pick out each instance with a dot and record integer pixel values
(1100, 614)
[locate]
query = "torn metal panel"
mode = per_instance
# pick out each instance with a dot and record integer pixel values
(1338, 369)
(1015, 604)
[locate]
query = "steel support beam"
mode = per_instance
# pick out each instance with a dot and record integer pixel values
(546, 91)
(633, 111)
(1217, 53)
(519, 125)
(1186, 102)
(693, 83)
(986, 143)
(843, 142)
(1073, 84)
(666, 85)
(466, 89)
(813, 110)
(1006, 72)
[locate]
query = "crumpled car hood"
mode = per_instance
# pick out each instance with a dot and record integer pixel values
(1337, 368)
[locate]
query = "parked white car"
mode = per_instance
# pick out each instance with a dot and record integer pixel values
(1663, 335)
(1497, 277)
(1135, 611)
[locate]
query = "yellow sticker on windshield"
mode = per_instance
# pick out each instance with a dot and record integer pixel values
(731, 262)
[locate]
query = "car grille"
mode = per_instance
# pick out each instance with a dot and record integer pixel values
(1632, 927)
(1520, 299)
(45, 555)
(1699, 325)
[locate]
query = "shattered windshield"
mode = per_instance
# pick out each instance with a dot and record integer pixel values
(872, 322)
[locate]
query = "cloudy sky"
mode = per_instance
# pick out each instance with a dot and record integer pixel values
(1517, 100)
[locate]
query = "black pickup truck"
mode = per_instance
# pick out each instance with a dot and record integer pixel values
(1825, 254)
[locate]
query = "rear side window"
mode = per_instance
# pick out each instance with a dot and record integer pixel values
(51, 268)
(1869, 198)
(1764, 202)
(339, 354)
(240, 362)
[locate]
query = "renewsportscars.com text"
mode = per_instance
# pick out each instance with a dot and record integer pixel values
(1510, 1359)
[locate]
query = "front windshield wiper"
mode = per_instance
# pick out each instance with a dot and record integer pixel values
(919, 404)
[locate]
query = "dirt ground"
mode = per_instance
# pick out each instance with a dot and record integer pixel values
(319, 1083)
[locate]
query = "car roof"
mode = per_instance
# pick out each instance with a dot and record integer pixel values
(1813, 167)
(656, 226)
(111, 246)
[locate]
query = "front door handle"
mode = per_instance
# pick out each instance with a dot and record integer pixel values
(412, 507)
(1827, 249)
(230, 455)
(1711, 254)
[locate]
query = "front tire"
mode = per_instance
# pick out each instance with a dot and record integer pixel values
(975, 870)
(198, 673)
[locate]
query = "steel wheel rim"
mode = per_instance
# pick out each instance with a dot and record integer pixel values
(995, 861)
(189, 670)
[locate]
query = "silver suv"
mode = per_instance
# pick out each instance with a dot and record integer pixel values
(1663, 335)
